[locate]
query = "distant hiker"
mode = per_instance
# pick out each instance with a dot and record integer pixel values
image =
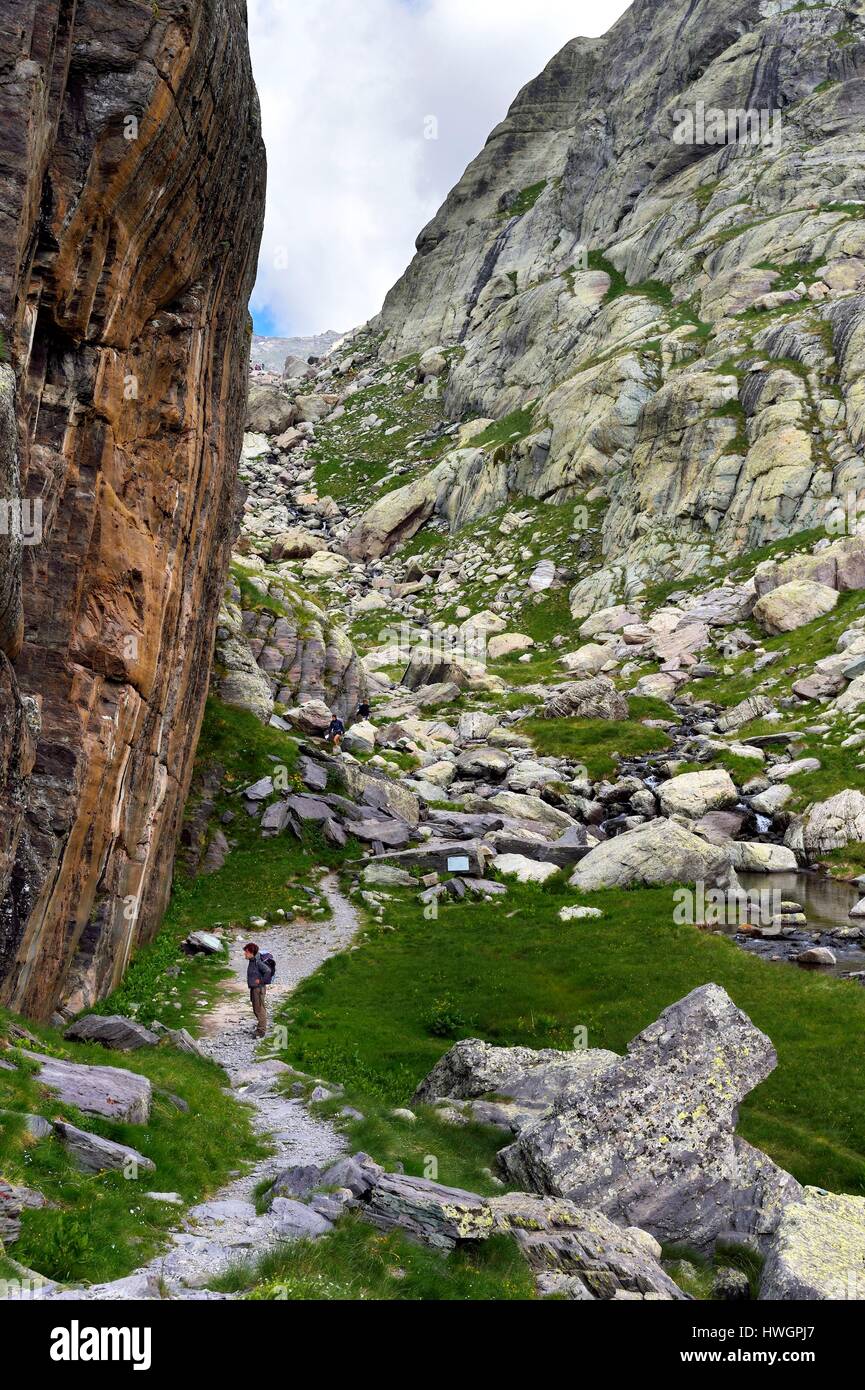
(260, 970)
(335, 732)
(363, 711)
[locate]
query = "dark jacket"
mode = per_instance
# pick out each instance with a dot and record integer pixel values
(257, 973)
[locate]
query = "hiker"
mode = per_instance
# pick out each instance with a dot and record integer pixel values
(335, 732)
(363, 711)
(258, 977)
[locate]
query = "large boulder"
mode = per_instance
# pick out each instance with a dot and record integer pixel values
(508, 644)
(830, 824)
(312, 717)
(522, 806)
(296, 544)
(694, 793)
(818, 1250)
(753, 707)
(575, 1253)
(523, 869)
(793, 605)
(439, 1216)
(595, 698)
(753, 857)
(608, 620)
(109, 1091)
(840, 566)
(270, 411)
(650, 1141)
(111, 1030)
(489, 763)
(324, 564)
(662, 851)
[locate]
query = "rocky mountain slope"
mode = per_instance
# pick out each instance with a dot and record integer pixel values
(272, 353)
(134, 178)
(574, 515)
(660, 251)
(576, 528)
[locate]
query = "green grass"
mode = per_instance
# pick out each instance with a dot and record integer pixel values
(357, 1262)
(100, 1227)
(525, 200)
(517, 976)
(597, 743)
(510, 428)
(349, 461)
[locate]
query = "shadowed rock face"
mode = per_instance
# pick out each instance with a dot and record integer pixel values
(133, 178)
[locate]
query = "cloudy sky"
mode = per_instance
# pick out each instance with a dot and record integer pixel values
(347, 91)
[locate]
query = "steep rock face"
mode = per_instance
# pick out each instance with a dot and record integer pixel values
(678, 289)
(133, 180)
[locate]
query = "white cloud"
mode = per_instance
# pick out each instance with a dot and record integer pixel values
(345, 87)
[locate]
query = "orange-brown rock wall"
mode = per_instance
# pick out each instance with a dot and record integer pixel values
(133, 177)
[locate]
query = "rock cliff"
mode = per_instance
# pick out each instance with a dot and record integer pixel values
(133, 178)
(659, 256)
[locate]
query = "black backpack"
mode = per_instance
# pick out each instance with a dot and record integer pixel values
(267, 959)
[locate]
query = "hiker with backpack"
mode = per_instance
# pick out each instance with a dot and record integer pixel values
(260, 970)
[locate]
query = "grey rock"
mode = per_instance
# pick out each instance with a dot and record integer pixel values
(298, 1221)
(650, 1140)
(94, 1154)
(111, 1030)
(526, 1083)
(204, 941)
(109, 1091)
(299, 1181)
(357, 1174)
(662, 851)
(439, 1216)
(818, 1249)
(596, 698)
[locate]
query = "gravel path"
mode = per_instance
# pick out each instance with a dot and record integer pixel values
(226, 1230)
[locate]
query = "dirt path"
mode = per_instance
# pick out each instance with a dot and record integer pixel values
(226, 1230)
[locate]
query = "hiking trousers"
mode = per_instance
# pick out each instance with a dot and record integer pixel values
(257, 997)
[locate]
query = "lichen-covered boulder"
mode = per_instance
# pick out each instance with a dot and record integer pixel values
(650, 1140)
(580, 1253)
(818, 1250)
(440, 1216)
(829, 824)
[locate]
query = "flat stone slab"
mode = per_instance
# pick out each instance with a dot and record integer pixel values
(110, 1091)
(111, 1030)
(440, 1216)
(228, 1210)
(94, 1154)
